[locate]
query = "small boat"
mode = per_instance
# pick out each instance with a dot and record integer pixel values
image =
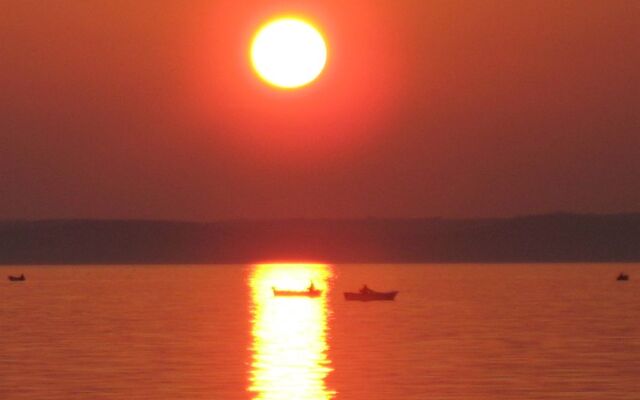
(622, 277)
(297, 293)
(17, 278)
(310, 292)
(366, 294)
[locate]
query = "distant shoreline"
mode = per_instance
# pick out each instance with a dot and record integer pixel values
(548, 238)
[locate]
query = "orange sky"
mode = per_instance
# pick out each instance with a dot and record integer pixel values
(149, 109)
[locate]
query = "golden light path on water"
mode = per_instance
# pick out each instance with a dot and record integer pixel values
(289, 348)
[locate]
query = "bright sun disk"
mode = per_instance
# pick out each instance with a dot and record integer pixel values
(288, 52)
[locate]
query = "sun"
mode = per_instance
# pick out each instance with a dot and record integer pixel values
(288, 52)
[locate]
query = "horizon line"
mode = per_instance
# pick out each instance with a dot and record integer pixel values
(289, 219)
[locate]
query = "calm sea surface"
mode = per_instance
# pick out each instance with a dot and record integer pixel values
(216, 332)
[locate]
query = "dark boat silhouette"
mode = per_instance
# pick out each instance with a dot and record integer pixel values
(17, 278)
(311, 291)
(297, 293)
(366, 294)
(622, 277)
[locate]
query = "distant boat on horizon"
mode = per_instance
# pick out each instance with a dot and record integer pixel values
(366, 294)
(20, 278)
(297, 293)
(311, 291)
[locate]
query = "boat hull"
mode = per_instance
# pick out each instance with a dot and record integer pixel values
(296, 293)
(371, 296)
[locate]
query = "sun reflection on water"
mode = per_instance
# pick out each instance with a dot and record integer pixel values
(289, 348)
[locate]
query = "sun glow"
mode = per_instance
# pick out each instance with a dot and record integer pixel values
(289, 334)
(288, 52)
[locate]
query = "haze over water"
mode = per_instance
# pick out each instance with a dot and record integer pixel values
(215, 332)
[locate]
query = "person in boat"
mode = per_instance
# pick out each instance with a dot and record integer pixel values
(365, 289)
(311, 287)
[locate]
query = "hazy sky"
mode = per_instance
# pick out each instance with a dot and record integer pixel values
(149, 109)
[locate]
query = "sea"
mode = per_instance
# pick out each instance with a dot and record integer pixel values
(455, 331)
